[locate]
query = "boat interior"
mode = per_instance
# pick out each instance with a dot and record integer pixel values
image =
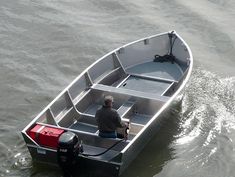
(139, 86)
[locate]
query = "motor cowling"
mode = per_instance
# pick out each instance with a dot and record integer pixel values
(69, 147)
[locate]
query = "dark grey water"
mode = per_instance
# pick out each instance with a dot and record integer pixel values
(45, 44)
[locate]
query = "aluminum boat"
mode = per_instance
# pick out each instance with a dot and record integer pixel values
(144, 77)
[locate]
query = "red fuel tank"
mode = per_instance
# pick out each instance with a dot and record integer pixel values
(45, 136)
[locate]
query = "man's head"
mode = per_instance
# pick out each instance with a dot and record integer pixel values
(108, 101)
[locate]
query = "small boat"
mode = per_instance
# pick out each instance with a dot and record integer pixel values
(144, 77)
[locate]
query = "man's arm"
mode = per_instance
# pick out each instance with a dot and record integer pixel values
(119, 122)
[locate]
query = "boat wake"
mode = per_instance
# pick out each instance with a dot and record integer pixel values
(207, 128)
(207, 108)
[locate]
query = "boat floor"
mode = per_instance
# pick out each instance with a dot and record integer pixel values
(92, 109)
(84, 127)
(165, 70)
(140, 119)
(150, 77)
(145, 85)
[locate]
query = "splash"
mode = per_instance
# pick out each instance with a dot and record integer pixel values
(207, 108)
(207, 129)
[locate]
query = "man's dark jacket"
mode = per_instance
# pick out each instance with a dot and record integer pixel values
(108, 119)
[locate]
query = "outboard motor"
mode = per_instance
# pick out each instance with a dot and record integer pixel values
(68, 149)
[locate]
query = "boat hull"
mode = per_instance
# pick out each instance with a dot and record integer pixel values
(143, 86)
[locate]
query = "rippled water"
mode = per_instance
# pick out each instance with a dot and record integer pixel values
(45, 44)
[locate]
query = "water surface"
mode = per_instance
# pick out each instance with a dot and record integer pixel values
(45, 44)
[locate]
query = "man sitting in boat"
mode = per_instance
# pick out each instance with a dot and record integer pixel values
(108, 119)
